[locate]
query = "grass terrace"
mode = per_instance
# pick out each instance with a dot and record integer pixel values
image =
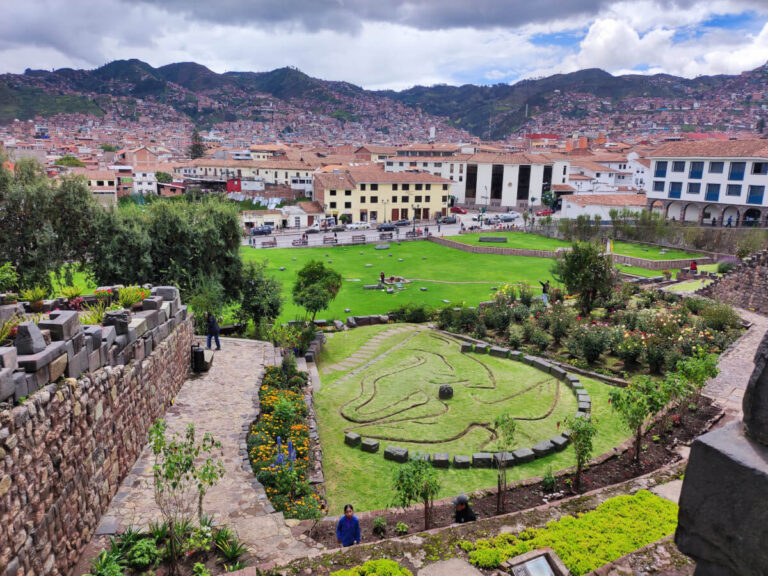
(651, 252)
(521, 240)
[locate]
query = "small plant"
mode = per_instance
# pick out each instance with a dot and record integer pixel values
(131, 295)
(36, 294)
(231, 549)
(104, 294)
(93, 313)
(199, 569)
(234, 567)
(159, 531)
(72, 292)
(401, 529)
(380, 527)
(224, 534)
(8, 329)
(143, 554)
(375, 568)
(10, 298)
(548, 482)
(199, 540)
(9, 278)
(106, 564)
(486, 558)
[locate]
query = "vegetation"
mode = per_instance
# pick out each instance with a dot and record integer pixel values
(375, 568)
(316, 286)
(582, 431)
(506, 427)
(261, 295)
(70, 161)
(24, 103)
(196, 149)
(587, 271)
(514, 240)
(416, 481)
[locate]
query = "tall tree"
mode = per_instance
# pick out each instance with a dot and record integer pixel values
(414, 481)
(260, 295)
(586, 270)
(582, 432)
(316, 287)
(196, 150)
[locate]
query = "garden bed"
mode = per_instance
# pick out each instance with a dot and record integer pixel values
(612, 470)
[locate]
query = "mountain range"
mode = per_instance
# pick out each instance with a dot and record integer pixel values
(206, 97)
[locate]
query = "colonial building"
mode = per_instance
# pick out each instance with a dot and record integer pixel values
(711, 181)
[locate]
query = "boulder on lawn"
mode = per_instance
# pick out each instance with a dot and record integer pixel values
(370, 445)
(351, 439)
(396, 454)
(461, 461)
(445, 392)
(482, 460)
(441, 460)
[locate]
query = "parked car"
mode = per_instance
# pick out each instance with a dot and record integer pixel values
(457, 210)
(386, 227)
(448, 220)
(261, 230)
(481, 218)
(511, 217)
(404, 222)
(314, 229)
(545, 212)
(338, 228)
(358, 226)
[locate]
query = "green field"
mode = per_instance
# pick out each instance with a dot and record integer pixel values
(520, 240)
(394, 399)
(651, 252)
(644, 272)
(690, 286)
(447, 274)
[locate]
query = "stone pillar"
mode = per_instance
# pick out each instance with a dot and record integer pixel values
(740, 218)
(723, 514)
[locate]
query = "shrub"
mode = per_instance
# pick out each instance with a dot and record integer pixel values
(515, 338)
(486, 558)
(469, 322)
(9, 279)
(526, 294)
(630, 347)
(231, 548)
(413, 312)
(561, 322)
(380, 526)
(695, 305)
(375, 568)
(528, 329)
(520, 312)
(199, 569)
(447, 319)
(497, 317)
(720, 317)
(548, 482)
(539, 339)
(34, 294)
(588, 341)
(71, 292)
(726, 265)
(93, 313)
(401, 528)
(131, 295)
(143, 554)
(106, 564)
(655, 352)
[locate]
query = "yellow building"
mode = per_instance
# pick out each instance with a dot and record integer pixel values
(269, 171)
(369, 194)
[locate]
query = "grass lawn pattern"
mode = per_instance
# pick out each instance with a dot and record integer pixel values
(690, 286)
(651, 252)
(447, 274)
(521, 240)
(387, 389)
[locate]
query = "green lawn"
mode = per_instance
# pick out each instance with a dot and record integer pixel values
(79, 278)
(637, 271)
(689, 286)
(395, 400)
(514, 240)
(447, 274)
(650, 252)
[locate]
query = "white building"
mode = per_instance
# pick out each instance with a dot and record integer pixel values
(718, 180)
(592, 205)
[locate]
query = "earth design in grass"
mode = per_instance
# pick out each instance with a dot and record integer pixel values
(395, 398)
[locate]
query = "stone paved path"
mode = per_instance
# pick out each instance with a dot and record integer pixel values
(736, 366)
(220, 402)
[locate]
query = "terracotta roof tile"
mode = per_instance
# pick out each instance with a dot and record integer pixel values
(607, 199)
(713, 149)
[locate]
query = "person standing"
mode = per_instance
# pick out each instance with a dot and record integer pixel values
(212, 330)
(348, 527)
(730, 221)
(544, 292)
(463, 512)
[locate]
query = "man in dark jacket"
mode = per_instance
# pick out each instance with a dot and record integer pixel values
(212, 330)
(463, 512)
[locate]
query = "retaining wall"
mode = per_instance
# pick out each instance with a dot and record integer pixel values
(745, 286)
(494, 249)
(66, 449)
(658, 264)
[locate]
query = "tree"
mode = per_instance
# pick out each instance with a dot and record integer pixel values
(70, 161)
(260, 295)
(109, 148)
(506, 427)
(582, 430)
(697, 369)
(585, 270)
(416, 480)
(180, 479)
(316, 287)
(197, 149)
(760, 126)
(640, 399)
(163, 177)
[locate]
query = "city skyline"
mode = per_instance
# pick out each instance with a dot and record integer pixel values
(394, 45)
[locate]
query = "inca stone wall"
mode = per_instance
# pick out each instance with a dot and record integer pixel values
(745, 286)
(65, 450)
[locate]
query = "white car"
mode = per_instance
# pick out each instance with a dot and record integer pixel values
(359, 226)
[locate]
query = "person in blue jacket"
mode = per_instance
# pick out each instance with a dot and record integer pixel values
(348, 528)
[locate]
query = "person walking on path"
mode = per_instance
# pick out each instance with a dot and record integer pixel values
(463, 512)
(348, 528)
(544, 292)
(212, 330)
(730, 221)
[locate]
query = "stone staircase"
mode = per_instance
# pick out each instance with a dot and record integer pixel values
(745, 286)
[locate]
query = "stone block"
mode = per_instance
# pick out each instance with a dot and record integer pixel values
(78, 342)
(363, 320)
(8, 311)
(139, 325)
(560, 442)
(352, 439)
(166, 307)
(461, 461)
(585, 406)
(152, 303)
(21, 386)
(8, 356)
(445, 392)
(108, 335)
(466, 347)
(137, 350)
(29, 339)
(557, 372)
(37, 380)
(396, 454)
(150, 316)
(516, 355)
(7, 387)
(63, 324)
(755, 403)
(542, 365)
(528, 359)
(441, 460)
(524, 455)
(577, 385)
(338, 324)
(57, 367)
(119, 319)
(163, 330)
(583, 396)
(168, 293)
(481, 348)
(78, 364)
(482, 460)
(162, 317)
(148, 345)
(175, 305)
(499, 352)
(351, 322)
(543, 448)
(370, 445)
(505, 459)
(183, 310)
(34, 362)
(384, 319)
(104, 354)
(121, 342)
(722, 515)
(94, 361)
(571, 379)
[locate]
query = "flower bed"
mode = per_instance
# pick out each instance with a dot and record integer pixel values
(279, 446)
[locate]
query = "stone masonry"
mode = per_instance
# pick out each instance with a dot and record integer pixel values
(745, 286)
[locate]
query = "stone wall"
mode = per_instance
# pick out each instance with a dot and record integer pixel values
(65, 450)
(745, 286)
(658, 264)
(494, 249)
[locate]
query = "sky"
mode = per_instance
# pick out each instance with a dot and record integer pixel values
(392, 44)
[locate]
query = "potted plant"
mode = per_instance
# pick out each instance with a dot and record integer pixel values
(11, 298)
(667, 274)
(131, 296)
(73, 296)
(35, 297)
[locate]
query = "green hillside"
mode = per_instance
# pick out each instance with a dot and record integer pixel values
(25, 103)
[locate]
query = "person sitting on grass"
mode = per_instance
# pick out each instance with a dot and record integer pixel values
(463, 512)
(348, 528)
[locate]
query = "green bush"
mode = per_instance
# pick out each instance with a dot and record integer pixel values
(528, 329)
(131, 295)
(401, 528)
(497, 317)
(487, 558)
(539, 339)
(380, 526)
(447, 319)
(9, 279)
(413, 312)
(375, 568)
(515, 338)
(588, 341)
(526, 294)
(143, 554)
(695, 305)
(725, 266)
(520, 312)
(720, 317)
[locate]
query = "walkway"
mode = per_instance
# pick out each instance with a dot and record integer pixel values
(220, 402)
(736, 366)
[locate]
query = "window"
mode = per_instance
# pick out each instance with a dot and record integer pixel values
(438, 164)
(597, 175)
(444, 199)
(374, 187)
(733, 190)
(427, 198)
(451, 170)
(390, 163)
(406, 187)
(445, 186)
(678, 166)
(713, 193)
(99, 182)
(404, 199)
(349, 192)
(394, 198)
(423, 164)
(374, 199)
(333, 192)
(675, 189)
(694, 187)
(661, 170)
(419, 186)
(362, 199)
(755, 195)
(760, 168)
(362, 186)
(400, 163)
(696, 170)
(461, 168)
(347, 204)
(427, 186)
(737, 171)
(286, 174)
(333, 204)
(394, 187)
(565, 168)
(658, 185)
(417, 199)
(716, 167)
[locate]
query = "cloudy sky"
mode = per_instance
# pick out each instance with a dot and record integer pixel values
(392, 43)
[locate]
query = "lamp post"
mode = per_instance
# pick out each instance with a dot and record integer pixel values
(413, 207)
(384, 219)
